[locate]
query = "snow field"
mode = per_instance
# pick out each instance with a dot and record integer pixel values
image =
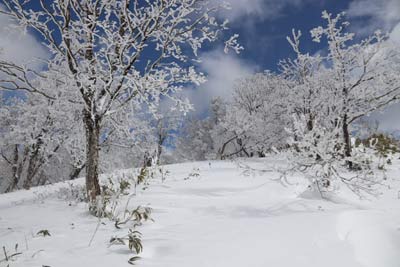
(221, 218)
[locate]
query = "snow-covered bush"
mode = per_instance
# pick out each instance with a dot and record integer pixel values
(383, 144)
(319, 155)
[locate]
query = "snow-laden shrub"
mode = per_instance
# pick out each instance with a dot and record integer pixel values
(320, 156)
(107, 203)
(114, 204)
(383, 144)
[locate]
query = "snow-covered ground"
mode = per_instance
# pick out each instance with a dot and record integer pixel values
(220, 218)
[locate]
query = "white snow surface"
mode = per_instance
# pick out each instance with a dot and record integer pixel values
(221, 218)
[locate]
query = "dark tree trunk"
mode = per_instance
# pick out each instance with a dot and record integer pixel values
(245, 152)
(347, 141)
(346, 137)
(310, 123)
(159, 152)
(15, 166)
(15, 169)
(92, 127)
(221, 151)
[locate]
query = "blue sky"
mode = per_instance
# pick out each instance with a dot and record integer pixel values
(263, 26)
(265, 37)
(263, 31)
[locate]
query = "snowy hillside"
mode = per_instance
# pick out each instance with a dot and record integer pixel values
(207, 214)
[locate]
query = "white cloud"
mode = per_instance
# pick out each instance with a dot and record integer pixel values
(374, 14)
(256, 9)
(222, 71)
(241, 8)
(17, 46)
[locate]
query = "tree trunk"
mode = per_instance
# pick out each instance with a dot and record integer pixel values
(161, 140)
(159, 151)
(15, 177)
(92, 127)
(310, 124)
(221, 151)
(35, 161)
(347, 141)
(346, 137)
(15, 169)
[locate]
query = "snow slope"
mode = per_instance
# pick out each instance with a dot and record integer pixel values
(221, 218)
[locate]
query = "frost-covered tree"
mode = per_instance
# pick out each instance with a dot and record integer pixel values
(195, 142)
(39, 139)
(303, 82)
(329, 94)
(166, 128)
(259, 112)
(127, 137)
(251, 123)
(114, 53)
(364, 73)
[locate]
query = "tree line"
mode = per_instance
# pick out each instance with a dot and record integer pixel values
(98, 100)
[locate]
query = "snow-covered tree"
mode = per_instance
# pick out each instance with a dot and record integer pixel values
(195, 142)
(166, 128)
(36, 135)
(259, 112)
(303, 82)
(364, 73)
(330, 93)
(114, 53)
(212, 137)
(251, 123)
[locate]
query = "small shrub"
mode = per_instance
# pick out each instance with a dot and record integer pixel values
(8, 257)
(43, 233)
(124, 185)
(383, 144)
(193, 174)
(164, 174)
(134, 242)
(108, 205)
(137, 216)
(143, 175)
